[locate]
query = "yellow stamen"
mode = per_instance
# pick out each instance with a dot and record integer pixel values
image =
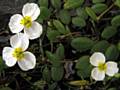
(18, 53)
(26, 21)
(102, 66)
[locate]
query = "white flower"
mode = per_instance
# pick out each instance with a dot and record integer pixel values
(27, 21)
(101, 68)
(16, 53)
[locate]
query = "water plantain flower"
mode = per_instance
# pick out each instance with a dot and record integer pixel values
(26, 21)
(16, 53)
(101, 68)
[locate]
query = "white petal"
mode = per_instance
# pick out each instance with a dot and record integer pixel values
(111, 68)
(14, 23)
(97, 58)
(7, 56)
(28, 62)
(34, 31)
(97, 74)
(19, 40)
(32, 10)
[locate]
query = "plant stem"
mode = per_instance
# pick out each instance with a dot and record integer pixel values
(41, 48)
(102, 14)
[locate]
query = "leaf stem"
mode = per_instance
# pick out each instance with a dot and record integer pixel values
(102, 14)
(41, 48)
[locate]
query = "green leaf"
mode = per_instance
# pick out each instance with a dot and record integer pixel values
(56, 3)
(60, 27)
(78, 21)
(60, 51)
(79, 83)
(116, 21)
(43, 3)
(83, 67)
(112, 53)
(117, 75)
(46, 74)
(118, 46)
(57, 73)
(100, 46)
(52, 35)
(2, 64)
(112, 89)
(82, 43)
(98, 1)
(99, 8)
(71, 4)
(40, 84)
(65, 16)
(117, 3)
(44, 14)
(5, 88)
(91, 13)
(82, 13)
(52, 86)
(54, 59)
(109, 32)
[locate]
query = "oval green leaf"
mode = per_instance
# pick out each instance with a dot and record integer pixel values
(82, 43)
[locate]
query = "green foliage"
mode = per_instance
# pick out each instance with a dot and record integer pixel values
(117, 3)
(82, 13)
(91, 13)
(5, 88)
(100, 46)
(64, 16)
(57, 73)
(79, 83)
(118, 46)
(40, 84)
(46, 74)
(60, 27)
(112, 89)
(116, 21)
(112, 52)
(45, 13)
(72, 31)
(56, 3)
(83, 67)
(82, 43)
(78, 21)
(98, 1)
(54, 59)
(43, 3)
(60, 51)
(99, 8)
(70, 4)
(109, 32)
(52, 35)
(2, 64)
(52, 86)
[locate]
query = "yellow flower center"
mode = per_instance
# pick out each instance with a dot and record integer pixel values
(18, 53)
(26, 21)
(102, 66)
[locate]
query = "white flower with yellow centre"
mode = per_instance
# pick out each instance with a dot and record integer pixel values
(16, 53)
(26, 21)
(101, 68)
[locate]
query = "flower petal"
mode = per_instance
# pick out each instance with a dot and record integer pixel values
(111, 68)
(97, 58)
(35, 31)
(28, 62)
(14, 23)
(32, 10)
(97, 74)
(7, 56)
(19, 40)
